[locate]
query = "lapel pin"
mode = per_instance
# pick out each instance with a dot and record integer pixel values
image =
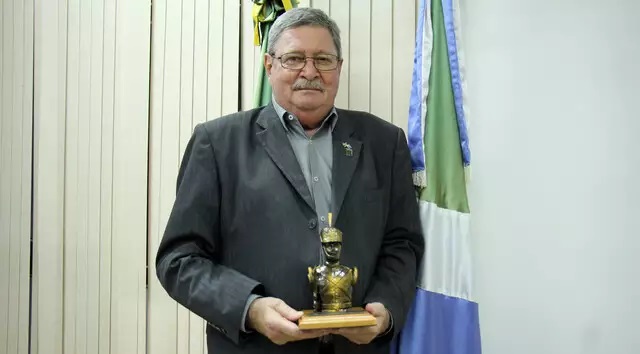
(348, 150)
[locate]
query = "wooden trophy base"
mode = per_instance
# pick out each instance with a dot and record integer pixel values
(353, 317)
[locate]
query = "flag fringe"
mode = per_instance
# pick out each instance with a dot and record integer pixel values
(420, 178)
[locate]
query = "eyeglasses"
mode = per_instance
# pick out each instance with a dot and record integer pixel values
(297, 61)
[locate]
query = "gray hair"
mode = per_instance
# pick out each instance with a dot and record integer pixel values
(303, 16)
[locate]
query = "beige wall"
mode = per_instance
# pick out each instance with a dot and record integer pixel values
(117, 89)
(194, 77)
(90, 176)
(16, 78)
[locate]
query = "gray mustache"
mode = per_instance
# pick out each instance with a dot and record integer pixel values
(307, 85)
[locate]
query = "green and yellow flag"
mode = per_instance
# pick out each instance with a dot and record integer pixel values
(264, 13)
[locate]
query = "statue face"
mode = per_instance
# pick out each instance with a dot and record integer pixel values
(332, 251)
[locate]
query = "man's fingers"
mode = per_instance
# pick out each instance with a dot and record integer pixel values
(279, 341)
(356, 331)
(309, 334)
(282, 331)
(276, 320)
(376, 309)
(364, 335)
(278, 324)
(282, 338)
(296, 333)
(287, 312)
(281, 325)
(358, 335)
(290, 329)
(357, 338)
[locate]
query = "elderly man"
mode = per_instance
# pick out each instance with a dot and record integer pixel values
(254, 191)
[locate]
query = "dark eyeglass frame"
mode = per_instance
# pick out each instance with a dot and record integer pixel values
(314, 59)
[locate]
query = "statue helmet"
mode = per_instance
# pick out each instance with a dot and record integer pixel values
(330, 234)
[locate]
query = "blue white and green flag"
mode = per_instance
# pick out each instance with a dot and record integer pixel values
(444, 316)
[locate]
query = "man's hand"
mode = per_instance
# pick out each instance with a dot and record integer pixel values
(274, 319)
(364, 335)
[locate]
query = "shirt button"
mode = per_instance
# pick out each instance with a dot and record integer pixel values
(322, 218)
(313, 223)
(315, 179)
(290, 117)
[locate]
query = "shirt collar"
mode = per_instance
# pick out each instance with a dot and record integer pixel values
(331, 118)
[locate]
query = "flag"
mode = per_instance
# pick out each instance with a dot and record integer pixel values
(264, 13)
(444, 316)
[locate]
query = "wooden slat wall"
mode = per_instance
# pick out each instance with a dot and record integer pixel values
(16, 99)
(377, 46)
(90, 176)
(50, 57)
(194, 78)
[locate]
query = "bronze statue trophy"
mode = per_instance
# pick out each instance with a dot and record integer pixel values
(332, 285)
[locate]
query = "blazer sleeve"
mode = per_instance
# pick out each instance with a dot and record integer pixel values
(394, 279)
(186, 259)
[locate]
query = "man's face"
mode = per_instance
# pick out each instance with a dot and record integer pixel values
(332, 251)
(307, 89)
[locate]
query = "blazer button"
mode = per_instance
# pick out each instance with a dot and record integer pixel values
(313, 223)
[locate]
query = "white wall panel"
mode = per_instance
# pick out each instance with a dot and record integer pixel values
(324, 5)
(231, 56)
(359, 34)
(381, 84)
(49, 120)
(90, 175)
(16, 76)
(106, 179)
(251, 57)
(304, 3)
(404, 27)
(341, 13)
(130, 171)
(194, 77)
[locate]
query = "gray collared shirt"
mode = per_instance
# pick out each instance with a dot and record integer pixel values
(315, 156)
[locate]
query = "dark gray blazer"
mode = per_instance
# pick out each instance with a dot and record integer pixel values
(243, 222)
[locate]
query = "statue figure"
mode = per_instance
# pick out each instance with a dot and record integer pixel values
(331, 282)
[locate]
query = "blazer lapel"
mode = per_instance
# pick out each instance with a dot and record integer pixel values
(346, 153)
(275, 142)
